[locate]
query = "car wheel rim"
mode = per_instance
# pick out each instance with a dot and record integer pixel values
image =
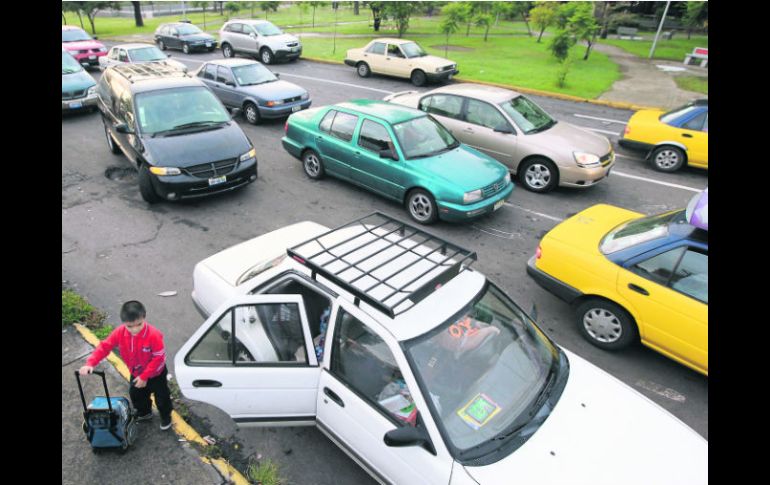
(362, 70)
(228, 52)
(185, 49)
(420, 207)
(602, 325)
(667, 159)
(265, 57)
(312, 165)
(162, 46)
(538, 176)
(251, 114)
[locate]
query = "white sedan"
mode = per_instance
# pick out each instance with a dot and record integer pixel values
(137, 54)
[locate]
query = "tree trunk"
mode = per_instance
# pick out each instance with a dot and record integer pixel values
(588, 50)
(355, 8)
(689, 31)
(81, 20)
(204, 17)
(91, 19)
(222, 8)
(526, 22)
(63, 17)
(486, 33)
(468, 30)
(138, 14)
(446, 46)
(313, 16)
(541, 35)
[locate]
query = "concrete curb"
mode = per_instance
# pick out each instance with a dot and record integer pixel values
(180, 427)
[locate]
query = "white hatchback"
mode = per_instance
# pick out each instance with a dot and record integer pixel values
(418, 367)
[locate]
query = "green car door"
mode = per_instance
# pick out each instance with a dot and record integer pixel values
(384, 173)
(333, 141)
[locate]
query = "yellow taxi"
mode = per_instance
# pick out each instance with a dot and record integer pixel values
(671, 140)
(631, 277)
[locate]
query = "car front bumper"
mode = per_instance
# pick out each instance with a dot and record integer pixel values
(76, 104)
(284, 109)
(89, 59)
(203, 46)
(184, 186)
(578, 177)
(285, 54)
(449, 211)
(562, 290)
(350, 62)
(441, 76)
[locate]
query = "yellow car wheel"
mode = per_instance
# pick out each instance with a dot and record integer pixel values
(667, 159)
(606, 324)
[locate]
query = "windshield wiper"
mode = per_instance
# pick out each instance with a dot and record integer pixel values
(194, 124)
(543, 127)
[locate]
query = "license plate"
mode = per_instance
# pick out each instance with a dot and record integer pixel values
(208, 44)
(295, 49)
(76, 105)
(92, 57)
(449, 76)
(296, 108)
(218, 180)
(498, 204)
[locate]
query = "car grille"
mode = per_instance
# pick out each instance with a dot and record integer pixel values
(606, 159)
(291, 100)
(491, 190)
(73, 94)
(214, 169)
(447, 68)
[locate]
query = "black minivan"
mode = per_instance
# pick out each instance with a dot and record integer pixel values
(175, 131)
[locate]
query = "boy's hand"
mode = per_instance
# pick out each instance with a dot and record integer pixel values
(139, 383)
(85, 370)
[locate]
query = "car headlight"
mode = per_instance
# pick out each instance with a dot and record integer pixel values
(305, 96)
(248, 155)
(586, 160)
(165, 171)
(507, 178)
(472, 196)
(274, 103)
(438, 69)
(91, 90)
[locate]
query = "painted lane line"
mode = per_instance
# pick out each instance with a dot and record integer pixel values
(661, 391)
(599, 119)
(498, 233)
(335, 82)
(667, 184)
(606, 132)
(545, 216)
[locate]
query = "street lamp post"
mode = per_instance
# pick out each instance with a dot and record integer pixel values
(660, 27)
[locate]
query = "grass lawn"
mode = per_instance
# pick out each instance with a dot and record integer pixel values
(671, 50)
(693, 83)
(417, 25)
(515, 61)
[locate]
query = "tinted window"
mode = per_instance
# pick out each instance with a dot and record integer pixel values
(480, 113)
(149, 53)
(69, 64)
(423, 137)
(672, 116)
(104, 90)
(210, 72)
(696, 123)
(527, 115)
(692, 276)
(74, 35)
(125, 109)
(376, 48)
(364, 362)
(374, 137)
(443, 105)
(235, 28)
(188, 29)
(166, 110)
(326, 122)
(224, 75)
(344, 125)
(659, 268)
(394, 51)
(122, 56)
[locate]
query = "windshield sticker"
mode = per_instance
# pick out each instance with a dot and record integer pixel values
(463, 327)
(479, 411)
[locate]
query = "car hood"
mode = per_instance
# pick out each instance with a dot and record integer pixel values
(463, 167)
(202, 36)
(76, 81)
(198, 147)
(603, 432)
(274, 90)
(569, 138)
(432, 61)
(282, 39)
(585, 229)
(82, 45)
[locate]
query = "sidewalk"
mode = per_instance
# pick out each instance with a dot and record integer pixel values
(156, 456)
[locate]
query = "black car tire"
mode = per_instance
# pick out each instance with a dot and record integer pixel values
(363, 69)
(227, 51)
(162, 45)
(667, 158)
(595, 315)
(114, 148)
(538, 175)
(266, 56)
(145, 185)
(313, 165)
(422, 206)
(211, 49)
(418, 78)
(251, 113)
(186, 48)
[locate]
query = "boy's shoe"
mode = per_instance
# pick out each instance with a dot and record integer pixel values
(146, 417)
(165, 423)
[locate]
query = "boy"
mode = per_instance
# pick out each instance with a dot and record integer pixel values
(141, 348)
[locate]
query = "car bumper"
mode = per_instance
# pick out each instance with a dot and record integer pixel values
(350, 62)
(449, 211)
(203, 47)
(79, 103)
(283, 110)
(175, 187)
(442, 76)
(562, 290)
(90, 59)
(581, 178)
(635, 145)
(284, 54)
(203, 313)
(291, 146)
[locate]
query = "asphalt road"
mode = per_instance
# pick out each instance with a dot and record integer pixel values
(115, 247)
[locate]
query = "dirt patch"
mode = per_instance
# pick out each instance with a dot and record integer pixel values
(452, 48)
(121, 174)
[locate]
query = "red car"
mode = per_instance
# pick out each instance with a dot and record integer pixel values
(82, 46)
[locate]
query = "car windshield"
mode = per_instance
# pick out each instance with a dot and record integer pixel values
(69, 65)
(188, 29)
(74, 35)
(150, 53)
(423, 137)
(638, 231)
(268, 29)
(485, 372)
(253, 74)
(411, 49)
(673, 115)
(527, 115)
(170, 110)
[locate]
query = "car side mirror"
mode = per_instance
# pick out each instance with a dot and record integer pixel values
(504, 129)
(123, 128)
(409, 436)
(388, 153)
(229, 83)
(95, 37)
(235, 112)
(253, 35)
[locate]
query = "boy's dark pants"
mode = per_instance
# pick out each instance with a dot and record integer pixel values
(157, 385)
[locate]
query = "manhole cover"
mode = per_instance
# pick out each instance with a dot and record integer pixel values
(120, 174)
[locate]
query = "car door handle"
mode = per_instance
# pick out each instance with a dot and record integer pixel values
(638, 289)
(206, 383)
(686, 135)
(334, 397)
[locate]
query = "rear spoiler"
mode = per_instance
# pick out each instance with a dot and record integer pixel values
(400, 93)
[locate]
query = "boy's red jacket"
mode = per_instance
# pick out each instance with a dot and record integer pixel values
(143, 353)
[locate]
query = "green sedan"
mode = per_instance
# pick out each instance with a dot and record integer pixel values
(400, 153)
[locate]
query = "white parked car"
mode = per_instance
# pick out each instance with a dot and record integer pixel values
(258, 38)
(418, 367)
(138, 54)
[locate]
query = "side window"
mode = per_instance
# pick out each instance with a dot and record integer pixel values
(210, 72)
(696, 123)
(362, 360)
(125, 109)
(692, 275)
(261, 334)
(480, 113)
(113, 54)
(104, 90)
(443, 105)
(224, 75)
(326, 122)
(706, 124)
(394, 51)
(377, 48)
(344, 125)
(122, 56)
(374, 137)
(659, 268)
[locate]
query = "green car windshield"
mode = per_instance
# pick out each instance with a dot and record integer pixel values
(252, 74)
(527, 115)
(169, 110)
(69, 65)
(150, 53)
(423, 137)
(484, 371)
(411, 49)
(268, 30)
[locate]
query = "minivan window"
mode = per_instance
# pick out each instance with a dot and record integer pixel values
(74, 35)
(169, 110)
(344, 125)
(236, 28)
(253, 74)
(377, 48)
(267, 29)
(69, 64)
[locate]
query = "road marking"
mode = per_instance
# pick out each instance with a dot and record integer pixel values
(600, 119)
(545, 216)
(606, 132)
(499, 233)
(336, 82)
(644, 179)
(661, 391)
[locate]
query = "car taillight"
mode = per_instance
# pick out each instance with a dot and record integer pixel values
(627, 130)
(538, 252)
(286, 127)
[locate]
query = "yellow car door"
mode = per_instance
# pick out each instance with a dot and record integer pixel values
(695, 136)
(668, 292)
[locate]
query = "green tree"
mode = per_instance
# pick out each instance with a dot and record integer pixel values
(92, 8)
(522, 9)
(696, 16)
(501, 9)
(72, 7)
(400, 13)
(376, 8)
(454, 14)
(232, 8)
(583, 26)
(268, 6)
(543, 16)
(484, 20)
(202, 6)
(315, 5)
(559, 47)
